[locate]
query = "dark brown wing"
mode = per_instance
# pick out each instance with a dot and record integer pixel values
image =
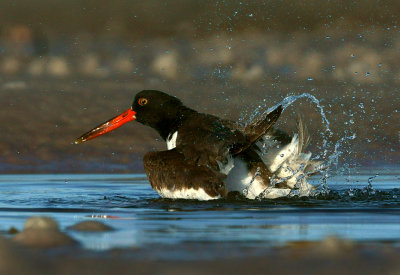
(257, 129)
(170, 170)
(206, 141)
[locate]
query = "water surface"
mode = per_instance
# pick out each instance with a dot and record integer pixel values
(352, 209)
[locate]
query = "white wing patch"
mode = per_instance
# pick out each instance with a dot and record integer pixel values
(171, 140)
(273, 155)
(286, 162)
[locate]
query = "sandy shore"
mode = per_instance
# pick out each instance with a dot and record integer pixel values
(54, 113)
(330, 256)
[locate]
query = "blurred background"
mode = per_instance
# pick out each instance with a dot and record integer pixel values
(67, 66)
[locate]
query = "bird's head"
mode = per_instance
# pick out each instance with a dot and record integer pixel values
(150, 107)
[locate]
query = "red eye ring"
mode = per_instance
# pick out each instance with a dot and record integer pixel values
(142, 101)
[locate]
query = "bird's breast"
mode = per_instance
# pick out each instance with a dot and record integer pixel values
(171, 140)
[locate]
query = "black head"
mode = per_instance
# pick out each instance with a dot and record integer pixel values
(154, 107)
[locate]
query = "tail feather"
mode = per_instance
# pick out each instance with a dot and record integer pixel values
(304, 137)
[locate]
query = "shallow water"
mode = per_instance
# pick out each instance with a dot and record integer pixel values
(351, 210)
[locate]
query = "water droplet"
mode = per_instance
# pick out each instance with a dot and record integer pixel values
(367, 74)
(310, 79)
(250, 15)
(352, 55)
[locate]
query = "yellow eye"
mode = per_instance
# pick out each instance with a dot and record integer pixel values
(142, 101)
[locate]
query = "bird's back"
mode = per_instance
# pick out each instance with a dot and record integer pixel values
(207, 140)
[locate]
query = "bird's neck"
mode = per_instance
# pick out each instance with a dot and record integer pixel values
(172, 121)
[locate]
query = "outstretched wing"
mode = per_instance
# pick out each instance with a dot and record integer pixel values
(256, 130)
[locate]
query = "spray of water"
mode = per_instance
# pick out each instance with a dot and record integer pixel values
(286, 102)
(262, 110)
(330, 154)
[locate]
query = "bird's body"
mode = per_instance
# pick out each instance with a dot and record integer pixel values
(208, 157)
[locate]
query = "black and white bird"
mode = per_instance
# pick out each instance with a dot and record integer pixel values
(208, 157)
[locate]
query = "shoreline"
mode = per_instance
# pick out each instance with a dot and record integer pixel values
(329, 256)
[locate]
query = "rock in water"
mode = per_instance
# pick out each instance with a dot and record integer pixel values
(42, 232)
(91, 226)
(44, 223)
(12, 230)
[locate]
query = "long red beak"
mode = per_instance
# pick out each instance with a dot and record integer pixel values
(108, 126)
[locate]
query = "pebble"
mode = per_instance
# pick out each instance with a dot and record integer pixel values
(91, 226)
(42, 232)
(331, 245)
(13, 230)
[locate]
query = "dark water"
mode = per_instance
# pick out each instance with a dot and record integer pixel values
(352, 209)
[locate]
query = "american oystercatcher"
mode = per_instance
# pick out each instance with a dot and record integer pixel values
(208, 157)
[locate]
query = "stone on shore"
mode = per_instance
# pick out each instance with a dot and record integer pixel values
(42, 232)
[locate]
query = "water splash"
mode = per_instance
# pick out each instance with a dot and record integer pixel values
(245, 191)
(334, 157)
(330, 152)
(262, 110)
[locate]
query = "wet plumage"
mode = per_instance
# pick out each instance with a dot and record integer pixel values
(208, 157)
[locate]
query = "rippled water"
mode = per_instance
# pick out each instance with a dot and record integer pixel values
(351, 210)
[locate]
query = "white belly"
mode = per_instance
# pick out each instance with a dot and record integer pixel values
(240, 179)
(187, 194)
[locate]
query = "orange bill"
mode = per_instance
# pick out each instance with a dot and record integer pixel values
(108, 126)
